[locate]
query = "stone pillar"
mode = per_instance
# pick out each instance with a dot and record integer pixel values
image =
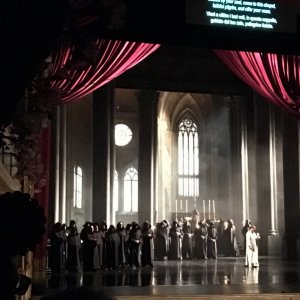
(274, 239)
(243, 171)
(263, 201)
(235, 170)
(147, 154)
(103, 149)
(291, 185)
(61, 165)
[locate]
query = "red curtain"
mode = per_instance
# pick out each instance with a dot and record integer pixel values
(273, 76)
(110, 59)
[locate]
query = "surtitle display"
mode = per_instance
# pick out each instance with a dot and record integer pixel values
(266, 15)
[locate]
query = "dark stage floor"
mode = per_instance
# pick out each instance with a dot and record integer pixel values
(197, 277)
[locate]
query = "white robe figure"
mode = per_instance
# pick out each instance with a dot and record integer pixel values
(254, 237)
(249, 249)
(251, 258)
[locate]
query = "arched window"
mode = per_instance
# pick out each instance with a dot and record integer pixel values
(131, 190)
(77, 193)
(188, 159)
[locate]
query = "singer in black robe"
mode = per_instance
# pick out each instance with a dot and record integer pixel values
(102, 246)
(211, 241)
(176, 235)
(127, 242)
(122, 246)
(160, 242)
(200, 238)
(97, 234)
(135, 238)
(147, 245)
(73, 246)
(57, 249)
(187, 241)
(88, 247)
(230, 242)
(112, 248)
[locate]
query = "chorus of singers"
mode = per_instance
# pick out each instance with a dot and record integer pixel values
(98, 246)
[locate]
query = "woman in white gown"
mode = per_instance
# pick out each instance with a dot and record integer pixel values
(255, 237)
(251, 259)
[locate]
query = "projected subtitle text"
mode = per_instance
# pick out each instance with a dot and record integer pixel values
(251, 14)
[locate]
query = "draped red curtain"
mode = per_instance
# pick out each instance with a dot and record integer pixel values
(110, 59)
(274, 76)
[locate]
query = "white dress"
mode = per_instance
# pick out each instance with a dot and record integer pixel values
(255, 237)
(249, 249)
(251, 258)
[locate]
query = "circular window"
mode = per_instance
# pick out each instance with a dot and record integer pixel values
(123, 134)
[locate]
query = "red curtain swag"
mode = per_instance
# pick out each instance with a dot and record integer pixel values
(274, 76)
(75, 79)
(111, 59)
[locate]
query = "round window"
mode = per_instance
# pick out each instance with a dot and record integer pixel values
(123, 135)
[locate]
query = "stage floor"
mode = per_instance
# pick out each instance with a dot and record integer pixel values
(224, 276)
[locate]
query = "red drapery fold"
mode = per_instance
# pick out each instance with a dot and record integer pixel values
(113, 59)
(273, 76)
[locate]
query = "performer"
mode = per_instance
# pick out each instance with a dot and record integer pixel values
(112, 248)
(176, 235)
(230, 242)
(254, 240)
(166, 232)
(147, 245)
(245, 229)
(135, 238)
(160, 242)
(127, 248)
(251, 257)
(249, 248)
(98, 238)
(57, 249)
(122, 246)
(102, 246)
(88, 246)
(211, 241)
(200, 238)
(220, 240)
(195, 219)
(187, 241)
(74, 243)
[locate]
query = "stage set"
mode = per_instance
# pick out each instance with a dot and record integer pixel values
(225, 278)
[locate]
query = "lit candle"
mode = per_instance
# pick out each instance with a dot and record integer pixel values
(181, 204)
(209, 209)
(195, 204)
(203, 209)
(176, 205)
(186, 205)
(214, 210)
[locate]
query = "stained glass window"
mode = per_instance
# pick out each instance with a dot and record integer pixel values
(131, 190)
(188, 159)
(123, 135)
(77, 194)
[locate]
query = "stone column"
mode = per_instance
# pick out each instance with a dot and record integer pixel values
(291, 185)
(274, 239)
(235, 169)
(61, 166)
(263, 174)
(103, 149)
(147, 154)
